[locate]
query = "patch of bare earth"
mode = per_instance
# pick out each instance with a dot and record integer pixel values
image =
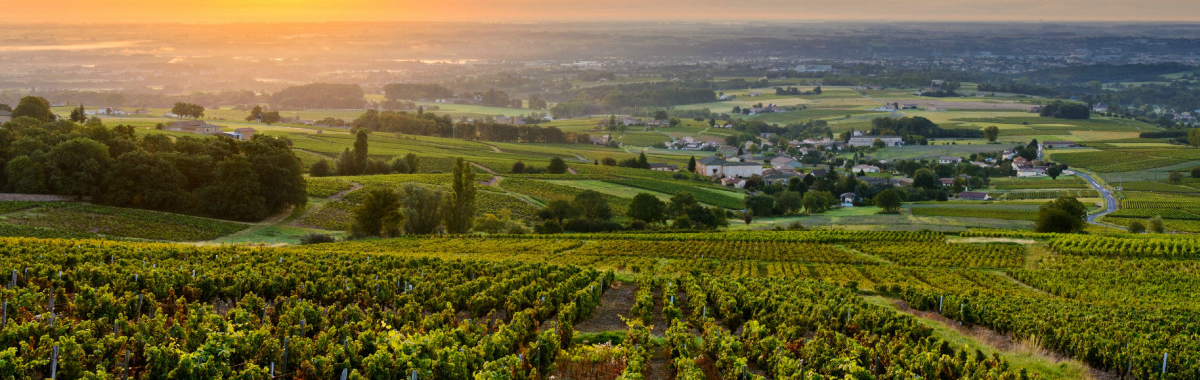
(615, 303)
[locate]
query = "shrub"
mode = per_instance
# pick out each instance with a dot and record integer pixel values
(317, 238)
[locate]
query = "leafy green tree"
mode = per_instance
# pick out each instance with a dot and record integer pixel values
(760, 205)
(345, 163)
(592, 205)
(679, 203)
(26, 175)
(878, 143)
(1175, 178)
(991, 133)
(280, 173)
(35, 107)
(400, 166)
(642, 162)
(1156, 225)
(1137, 227)
(256, 114)
(360, 150)
(414, 163)
(924, 178)
(816, 202)
(518, 168)
(691, 166)
(789, 202)
(319, 168)
(1193, 135)
(79, 167)
(378, 214)
(271, 117)
(1195, 172)
(143, 180)
(460, 210)
(888, 200)
(1054, 171)
(557, 166)
(78, 115)
(234, 192)
(423, 209)
(647, 208)
(558, 211)
(1065, 214)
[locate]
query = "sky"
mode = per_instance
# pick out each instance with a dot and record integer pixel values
(76, 11)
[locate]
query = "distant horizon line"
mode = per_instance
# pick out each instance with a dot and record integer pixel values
(611, 21)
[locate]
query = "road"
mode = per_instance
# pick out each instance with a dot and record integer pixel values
(1110, 202)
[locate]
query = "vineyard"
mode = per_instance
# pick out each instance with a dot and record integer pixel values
(736, 305)
(1118, 160)
(1036, 184)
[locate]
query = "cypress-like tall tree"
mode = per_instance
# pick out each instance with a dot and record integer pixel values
(360, 151)
(460, 213)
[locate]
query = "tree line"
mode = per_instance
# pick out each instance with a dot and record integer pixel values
(209, 176)
(428, 124)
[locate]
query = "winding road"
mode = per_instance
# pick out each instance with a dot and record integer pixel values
(1110, 202)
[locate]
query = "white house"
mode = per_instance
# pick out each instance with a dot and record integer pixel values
(865, 169)
(866, 141)
(949, 160)
(716, 166)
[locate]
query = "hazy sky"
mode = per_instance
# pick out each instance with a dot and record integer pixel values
(598, 10)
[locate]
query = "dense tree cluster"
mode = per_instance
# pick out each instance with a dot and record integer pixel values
(1066, 110)
(319, 96)
(416, 91)
(1065, 215)
(191, 110)
(428, 124)
(217, 177)
(917, 128)
(418, 210)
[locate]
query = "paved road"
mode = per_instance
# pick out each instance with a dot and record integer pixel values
(1110, 202)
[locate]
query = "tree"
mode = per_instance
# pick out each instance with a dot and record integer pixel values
(78, 115)
(878, 143)
(34, 106)
(789, 202)
(518, 168)
(1054, 171)
(558, 211)
(1156, 225)
(760, 205)
(1065, 214)
(256, 114)
(924, 178)
(647, 208)
(888, 200)
(378, 214)
(79, 167)
(1195, 172)
(797, 184)
(233, 193)
(26, 175)
(460, 210)
(271, 117)
(642, 163)
(817, 201)
(991, 133)
(280, 173)
(592, 205)
(679, 203)
(1137, 227)
(691, 166)
(1193, 135)
(143, 180)
(422, 209)
(1175, 178)
(414, 163)
(319, 168)
(345, 163)
(557, 166)
(360, 150)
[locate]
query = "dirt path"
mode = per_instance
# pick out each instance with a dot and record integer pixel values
(11, 197)
(572, 171)
(580, 157)
(341, 194)
(484, 168)
(615, 302)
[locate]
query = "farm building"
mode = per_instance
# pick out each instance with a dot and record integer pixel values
(716, 166)
(664, 167)
(974, 196)
(5, 116)
(949, 160)
(193, 126)
(1031, 172)
(866, 141)
(1059, 144)
(866, 169)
